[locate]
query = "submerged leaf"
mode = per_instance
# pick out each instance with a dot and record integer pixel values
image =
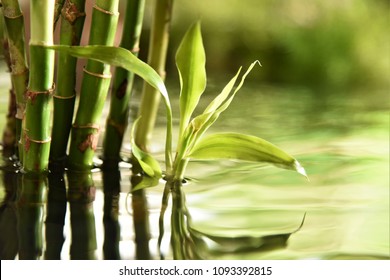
(190, 61)
(146, 182)
(243, 147)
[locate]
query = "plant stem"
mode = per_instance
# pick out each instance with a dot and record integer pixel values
(72, 22)
(94, 88)
(9, 141)
(122, 85)
(14, 25)
(158, 47)
(36, 130)
(57, 10)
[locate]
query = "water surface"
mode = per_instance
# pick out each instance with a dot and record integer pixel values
(227, 210)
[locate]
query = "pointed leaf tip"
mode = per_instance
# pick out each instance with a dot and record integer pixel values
(299, 168)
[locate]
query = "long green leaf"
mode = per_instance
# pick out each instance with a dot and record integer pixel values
(202, 122)
(214, 105)
(190, 61)
(243, 147)
(148, 164)
(121, 57)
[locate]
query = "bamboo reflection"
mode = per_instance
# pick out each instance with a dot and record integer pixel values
(188, 243)
(111, 188)
(9, 245)
(31, 198)
(55, 216)
(183, 241)
(81, 195)
(140, 220)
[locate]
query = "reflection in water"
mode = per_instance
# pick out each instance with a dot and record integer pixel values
(140, 221)
(81, 195)
(111, 189)
(30, 206)
(237, 209)
(55, 215)
(32, 200)
(188, 243)
(9, 245)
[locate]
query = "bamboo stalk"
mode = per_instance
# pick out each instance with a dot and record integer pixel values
(72, 22)
(36, 130)
(14, 24)
(158, 47)
(122, 85)
(9, 140)
(94, 88)
(57, 10)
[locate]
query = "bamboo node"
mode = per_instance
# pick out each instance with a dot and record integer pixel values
(70, 12)
(23, 71)
(119, 127)
(162, 74)
(11, 14)
(28, 140)
(90, 141)
(105, 11)
(88, 125)
(135, 50)
(64, 97)
(19, 113)
(31, 95)
(102, 76)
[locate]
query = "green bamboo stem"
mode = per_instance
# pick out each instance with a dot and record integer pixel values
(122, 85)
(158, 47)
(72, 22)
(14, 25)
(57, 10)
(94, 88)
(36, 130)
(9, 141)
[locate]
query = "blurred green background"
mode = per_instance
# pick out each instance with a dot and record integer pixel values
(324, 44)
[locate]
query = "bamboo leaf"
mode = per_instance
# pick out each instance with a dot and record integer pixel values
(146, 182)
(202, 122)
(214, 105)
(121, 57)
(190, 61)
(148, 164)
(118, 57)
(243, 147)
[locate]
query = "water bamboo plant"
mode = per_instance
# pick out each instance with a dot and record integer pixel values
(36, 125)
(122, 86)
(190, 59)
(72, 22)
(94, 88)
(14, 25)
